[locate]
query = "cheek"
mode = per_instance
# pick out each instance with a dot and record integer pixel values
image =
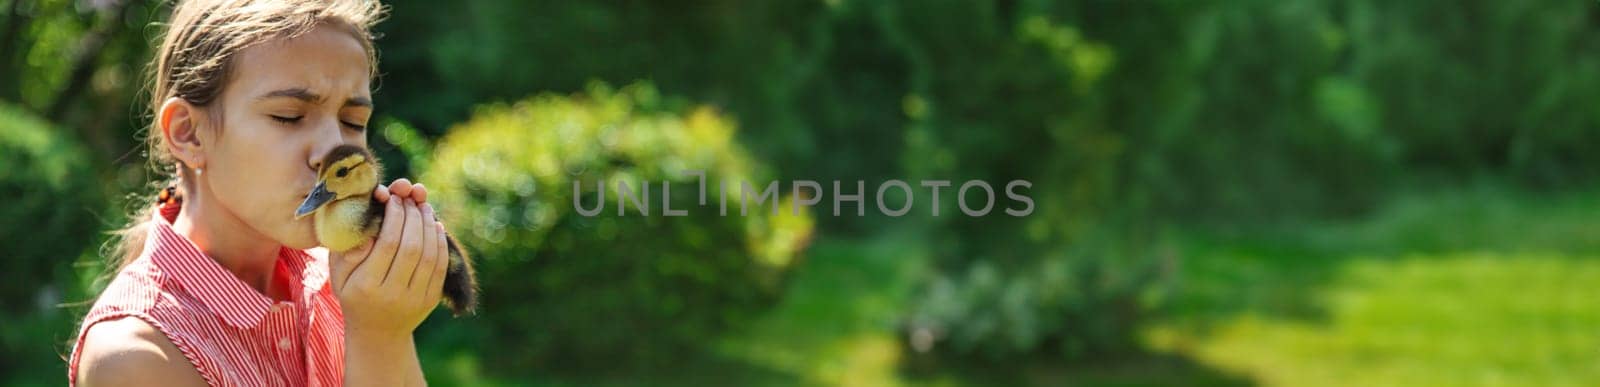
(256, 177)
(269, 209)
(261, 157)
(258, 196)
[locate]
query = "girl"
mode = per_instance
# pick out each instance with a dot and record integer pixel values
(215, 283)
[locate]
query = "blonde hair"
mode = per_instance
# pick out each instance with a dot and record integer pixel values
(195, 60)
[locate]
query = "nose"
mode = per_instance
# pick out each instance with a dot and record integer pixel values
(326, 137)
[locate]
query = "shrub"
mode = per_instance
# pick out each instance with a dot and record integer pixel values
(564, 289)
(1070, 279)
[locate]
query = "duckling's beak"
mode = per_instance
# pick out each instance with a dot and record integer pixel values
(318, 197)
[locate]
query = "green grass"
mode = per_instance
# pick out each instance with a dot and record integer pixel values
(1481, 287)
(837, 325)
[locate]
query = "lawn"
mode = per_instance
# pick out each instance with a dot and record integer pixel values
(1474, 288)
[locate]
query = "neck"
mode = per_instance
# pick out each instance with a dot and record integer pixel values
(239, 248)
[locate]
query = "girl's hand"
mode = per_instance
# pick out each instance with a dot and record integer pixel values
(402, 188)
(387, 287)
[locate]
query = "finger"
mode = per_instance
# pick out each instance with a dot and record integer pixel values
(400, 187)
(436, 285)
(405, 259)
(430, 240)
(382, 194)
(342, 264)
(419, 193)
(378, 261)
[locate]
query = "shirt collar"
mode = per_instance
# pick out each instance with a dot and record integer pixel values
(223, 293)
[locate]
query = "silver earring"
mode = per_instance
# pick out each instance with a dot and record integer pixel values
(198, 172)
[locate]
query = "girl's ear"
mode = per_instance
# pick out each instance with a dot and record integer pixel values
(180, 127)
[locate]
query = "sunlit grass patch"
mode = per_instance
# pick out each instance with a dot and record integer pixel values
(1480, 286)
(1454, 319)
(837, 325)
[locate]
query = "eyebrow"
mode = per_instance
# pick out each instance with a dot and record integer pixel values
(300, 93)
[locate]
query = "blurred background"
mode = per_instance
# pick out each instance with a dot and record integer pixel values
(1299, 192)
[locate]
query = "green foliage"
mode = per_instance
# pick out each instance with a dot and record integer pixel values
(817, 86)
(78, 65)
(51, 195)
(52, 192)
(1244, 111)
(1067, 280)
(565, 290)
(1488, 86)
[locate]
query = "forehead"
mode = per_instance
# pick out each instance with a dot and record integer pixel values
(326, 61)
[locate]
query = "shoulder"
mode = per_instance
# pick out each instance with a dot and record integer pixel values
(130, 352)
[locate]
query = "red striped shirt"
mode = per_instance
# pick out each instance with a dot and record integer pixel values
(231, 333)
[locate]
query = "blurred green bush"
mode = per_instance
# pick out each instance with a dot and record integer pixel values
(563, 290)
(52, 195)
(1069, 280)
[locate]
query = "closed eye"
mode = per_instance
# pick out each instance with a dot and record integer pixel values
(356, 127)
(285, 119)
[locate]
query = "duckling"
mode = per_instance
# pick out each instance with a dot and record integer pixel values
(345, 216)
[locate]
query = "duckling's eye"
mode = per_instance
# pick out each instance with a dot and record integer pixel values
(342, 171)
(285, 119)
